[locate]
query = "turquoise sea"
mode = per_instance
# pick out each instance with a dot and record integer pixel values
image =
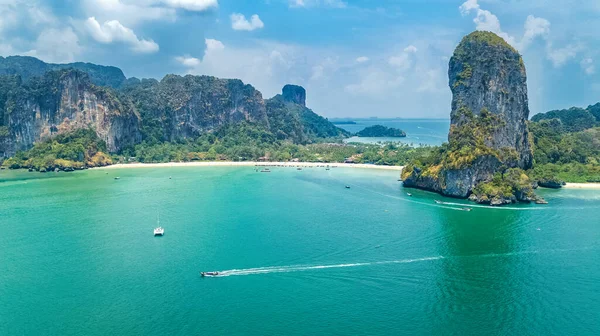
(299, 253)
(431, 132)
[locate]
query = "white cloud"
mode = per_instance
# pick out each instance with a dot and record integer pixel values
(485, 20)
(193, 5)
(239, 22)
(587, 64)
(129, 13)
(317, 3)
(213, 45)
(56, 46)
(534, 27)
(188, 61)
(411, 49)
(404, 61)
(560, 56)
(113, 31)
(362, 59)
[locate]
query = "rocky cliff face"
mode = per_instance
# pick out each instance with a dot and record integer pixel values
(488, 132)
(60, 102)
(29, 67)
(486, 73)
(294, 94)
(290, 119)
(185, 107)
(40, 100)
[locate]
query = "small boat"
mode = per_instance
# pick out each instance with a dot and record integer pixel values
(347, 187)
(159, 231)
(117, 178)
(439, 202)
(298, 168)
(266, 170)
(466, 209)
(409, 194)
(209, 274)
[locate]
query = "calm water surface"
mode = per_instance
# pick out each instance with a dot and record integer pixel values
(300, 253)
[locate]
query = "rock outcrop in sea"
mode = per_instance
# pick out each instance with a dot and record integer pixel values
(488, 144)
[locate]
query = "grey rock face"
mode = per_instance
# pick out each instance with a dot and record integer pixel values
(294, 94)
(64, 101)
(186, 107)
(487, 73)
(488, 82)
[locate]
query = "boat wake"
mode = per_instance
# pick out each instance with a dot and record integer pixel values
(300, 268)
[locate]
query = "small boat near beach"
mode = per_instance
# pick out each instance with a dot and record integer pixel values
(409, 194)
(347, 187)
(439, 202)
(266, 170)
(209, 274)
(466, 209)
(117, 178)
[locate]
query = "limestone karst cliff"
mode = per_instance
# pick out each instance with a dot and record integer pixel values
(488, 138)
(61, 101)
(40, 100)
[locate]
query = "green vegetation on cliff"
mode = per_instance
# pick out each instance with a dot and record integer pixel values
(561, 155)
(71, 151)
(248, 142)
(381, 131)
(506, 187)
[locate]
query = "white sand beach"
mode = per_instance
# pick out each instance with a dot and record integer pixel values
(249, 164)
(582, 186)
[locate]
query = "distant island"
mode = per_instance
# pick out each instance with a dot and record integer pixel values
(343, 122)
(379, 131)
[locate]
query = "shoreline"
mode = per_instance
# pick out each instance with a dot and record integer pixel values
(591, 185)
(249, 164)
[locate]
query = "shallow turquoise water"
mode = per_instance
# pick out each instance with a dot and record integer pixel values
(302, 255)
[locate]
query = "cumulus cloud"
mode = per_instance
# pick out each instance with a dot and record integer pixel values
(317, 3)
(56, 45)
(403, 61)
(213, 45)
(485, 20)
(239, 22)
(113, 31)
(362, 59)
(534, 27)
(411, 49)
(188, 61)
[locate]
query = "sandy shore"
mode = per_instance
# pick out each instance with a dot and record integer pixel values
(249, 164)
(582, 186)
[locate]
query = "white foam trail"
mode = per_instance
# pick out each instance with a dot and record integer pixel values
(300, 268)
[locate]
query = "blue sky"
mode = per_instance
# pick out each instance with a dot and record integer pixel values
(385, 58)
